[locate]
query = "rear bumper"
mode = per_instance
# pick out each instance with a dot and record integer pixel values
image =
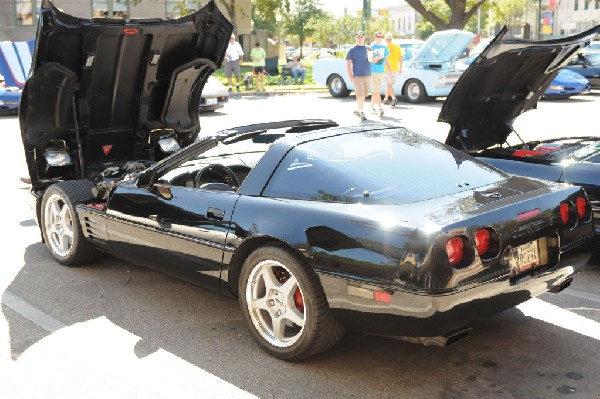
(423, 314)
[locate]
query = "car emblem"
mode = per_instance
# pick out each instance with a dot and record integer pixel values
(491, 194)
(106, 149)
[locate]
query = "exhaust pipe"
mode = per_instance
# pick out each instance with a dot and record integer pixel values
(440, 340)
(558, 288)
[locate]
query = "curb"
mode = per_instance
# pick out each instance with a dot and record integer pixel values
(268, 93)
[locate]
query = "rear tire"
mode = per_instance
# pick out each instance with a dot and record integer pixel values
(284, 306)
(60, 224)
(337, 87)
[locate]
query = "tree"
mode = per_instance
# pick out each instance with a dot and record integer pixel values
(446, 14)
(298, 21)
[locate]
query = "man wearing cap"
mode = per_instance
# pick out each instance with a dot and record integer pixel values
(378, 62)
(233, 54)
(359, 71)
(395, 68)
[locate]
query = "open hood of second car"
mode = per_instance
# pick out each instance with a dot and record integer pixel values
(505, 80)
(99, 81)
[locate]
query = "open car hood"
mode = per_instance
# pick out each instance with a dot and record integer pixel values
(504, 81)
(104, 87)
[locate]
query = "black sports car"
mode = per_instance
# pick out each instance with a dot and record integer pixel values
(313, 227)
(506, 80)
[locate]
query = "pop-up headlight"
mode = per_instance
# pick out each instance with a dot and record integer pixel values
(168, 144)
(57, 157)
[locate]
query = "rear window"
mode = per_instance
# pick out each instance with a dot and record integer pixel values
(381, 167)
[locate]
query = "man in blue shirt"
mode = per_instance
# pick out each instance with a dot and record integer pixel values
(359, 71)
(378, 63)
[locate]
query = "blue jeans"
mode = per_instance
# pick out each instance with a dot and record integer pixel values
(299, 73)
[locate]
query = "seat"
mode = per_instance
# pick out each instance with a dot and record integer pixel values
(286, 76)
(272, 70)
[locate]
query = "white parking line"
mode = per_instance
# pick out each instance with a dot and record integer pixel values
(31, 313)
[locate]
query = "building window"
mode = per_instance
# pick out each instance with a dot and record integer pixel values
(597, 4)
(27, 11)
(575, 5)
(110, 9)
(586, 4)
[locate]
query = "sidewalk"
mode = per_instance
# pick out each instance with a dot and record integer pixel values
(280, 90)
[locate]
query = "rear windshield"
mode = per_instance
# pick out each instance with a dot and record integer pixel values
(393, 166)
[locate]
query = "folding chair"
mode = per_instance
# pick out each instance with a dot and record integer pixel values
(286, 76)
(272, 70)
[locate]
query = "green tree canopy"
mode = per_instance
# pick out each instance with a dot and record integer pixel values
(446, 14)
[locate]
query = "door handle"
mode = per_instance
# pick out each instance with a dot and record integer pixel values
(215, 213)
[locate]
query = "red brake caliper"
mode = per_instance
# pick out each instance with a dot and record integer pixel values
(282, 277)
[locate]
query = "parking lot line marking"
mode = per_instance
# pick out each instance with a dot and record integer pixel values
(582, 295)
(31, 313)
(544, 311)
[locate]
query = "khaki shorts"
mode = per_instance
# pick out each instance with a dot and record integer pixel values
(390, 77)
(376, 82)
(361, 85)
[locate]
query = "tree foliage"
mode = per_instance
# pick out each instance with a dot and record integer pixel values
(446, 14)
(299, 21)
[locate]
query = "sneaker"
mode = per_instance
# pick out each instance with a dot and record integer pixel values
(380, 112)
(394, 102)
(386, 101)
(374, 112)
(362, 116)
(356, 112)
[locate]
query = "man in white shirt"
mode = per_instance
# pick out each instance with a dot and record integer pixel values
(233, 55)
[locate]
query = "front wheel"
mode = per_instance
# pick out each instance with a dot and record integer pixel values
(60, 224)
(415, 91)
(337, 86)
(284, 306)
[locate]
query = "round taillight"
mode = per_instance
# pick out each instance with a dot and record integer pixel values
(482, 241)
(455, 249)
(582, 204)
(567, 214)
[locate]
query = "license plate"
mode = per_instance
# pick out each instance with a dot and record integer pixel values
(524, 257)
(211, 101)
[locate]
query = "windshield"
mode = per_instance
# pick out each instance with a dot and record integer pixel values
(445, 47)
(393, 166)
(593, 59)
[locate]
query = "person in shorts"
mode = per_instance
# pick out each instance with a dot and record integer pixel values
(233, 55)
(395, 68)
(359, 71)
(258, 55)
(378, 58)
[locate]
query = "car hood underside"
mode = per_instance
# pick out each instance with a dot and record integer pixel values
(106, 86)
(505, 80)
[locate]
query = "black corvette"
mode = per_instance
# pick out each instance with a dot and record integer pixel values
(509, 77)
(313, 227)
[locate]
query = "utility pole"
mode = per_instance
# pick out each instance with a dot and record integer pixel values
(539, 35)
(366, 14)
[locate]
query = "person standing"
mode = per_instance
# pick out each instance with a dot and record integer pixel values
(395, 68)
(258, 55)
(359, 71)
(379, 60)
(233, 55)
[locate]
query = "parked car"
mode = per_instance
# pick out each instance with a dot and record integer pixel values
(430, 73)
(313, 227)
(587, 64)
(566, 84)
(9, 100)
(506, 80)
(214, 95)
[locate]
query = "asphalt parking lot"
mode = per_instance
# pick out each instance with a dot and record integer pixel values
(113, 329)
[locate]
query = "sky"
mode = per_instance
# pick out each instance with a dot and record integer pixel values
(336, 7)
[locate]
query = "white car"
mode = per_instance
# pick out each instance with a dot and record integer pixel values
(214, 95)
(430, 73)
